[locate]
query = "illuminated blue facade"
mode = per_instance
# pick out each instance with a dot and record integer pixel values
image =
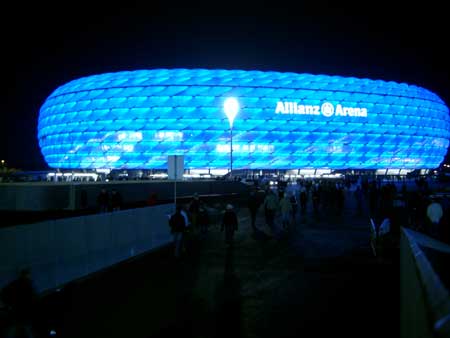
(135, 119)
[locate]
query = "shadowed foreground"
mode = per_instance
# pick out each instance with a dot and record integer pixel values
(317, 278)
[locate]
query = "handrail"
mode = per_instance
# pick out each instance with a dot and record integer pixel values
(437, 296)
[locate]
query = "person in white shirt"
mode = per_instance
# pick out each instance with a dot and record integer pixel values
(434, 214)
(286, 210)
(187, 222)
(185, 215)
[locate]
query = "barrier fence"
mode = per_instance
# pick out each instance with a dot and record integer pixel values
(60, 251)
(425, 301)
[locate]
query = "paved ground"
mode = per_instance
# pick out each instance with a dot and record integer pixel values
(315, 279)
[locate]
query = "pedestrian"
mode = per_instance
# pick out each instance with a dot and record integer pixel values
(315, 198)
(253, 206)
(270, 208)
(103, 201)
(286, 210)
(294, 204)
(358, 193)
(152, 199)
(83, 199)
(194, 207)
(373, 199)
(229, 224)
(188, 228)
(303, 198)
(339, 198)
(177, 225)
(20, 297)
(116, 200)
(203, 219)
(434, 215)
(185, 214)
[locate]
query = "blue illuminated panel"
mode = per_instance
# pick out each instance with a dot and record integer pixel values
(285, 121)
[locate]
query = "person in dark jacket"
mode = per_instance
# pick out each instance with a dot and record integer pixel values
(103, 201)
(20, 297)
(116, 200)
(194, 209)
(229, 224)
(253, 206)
(178, 227)
(203, 219)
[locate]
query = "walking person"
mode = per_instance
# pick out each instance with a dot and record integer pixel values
(286, 210)
(294, 205)
(203, 219)
(315, 196)
(103, 201)
(270, 208)
(434, 215)
(116, 200)
(188, 229)
(152, 199)
(177, 224)
(303, 199)
(339, 194)
(253, 206)
(83, 199)
(194, 208)
(358, 193)
(229, 224)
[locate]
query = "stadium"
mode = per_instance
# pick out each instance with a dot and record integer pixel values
(270, 120)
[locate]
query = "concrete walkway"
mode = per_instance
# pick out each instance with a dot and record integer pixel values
(316, 279)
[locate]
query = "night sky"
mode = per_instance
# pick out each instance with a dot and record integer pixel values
(45, 46)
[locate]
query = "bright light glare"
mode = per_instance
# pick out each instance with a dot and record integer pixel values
(231, 108)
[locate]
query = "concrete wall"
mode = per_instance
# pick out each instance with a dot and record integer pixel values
(22, 196)
(39, 196)
(63, 250)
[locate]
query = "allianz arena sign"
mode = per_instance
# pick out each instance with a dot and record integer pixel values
(326, 109)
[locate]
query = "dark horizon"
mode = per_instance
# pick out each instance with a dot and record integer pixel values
(46, 50)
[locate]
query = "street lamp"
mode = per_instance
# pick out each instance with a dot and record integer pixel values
(231, 108)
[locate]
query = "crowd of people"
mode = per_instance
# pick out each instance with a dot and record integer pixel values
(389, 204)
(392, 204)
(109, 201)
(187, 218)
(414, 206)
(280, 209)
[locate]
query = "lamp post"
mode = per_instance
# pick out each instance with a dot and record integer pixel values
(231, 108)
